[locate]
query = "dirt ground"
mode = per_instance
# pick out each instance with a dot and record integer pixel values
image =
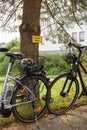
(75, 119)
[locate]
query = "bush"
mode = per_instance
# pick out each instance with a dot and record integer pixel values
(3, 65)
(55, 64)
(13, 46)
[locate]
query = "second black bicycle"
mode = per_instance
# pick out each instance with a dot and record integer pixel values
(65, 88)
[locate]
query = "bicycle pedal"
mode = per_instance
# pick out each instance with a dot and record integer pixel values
(51, 99)
(63, 94)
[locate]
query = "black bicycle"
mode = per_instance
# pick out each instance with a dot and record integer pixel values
(65, 88)
(24, 96)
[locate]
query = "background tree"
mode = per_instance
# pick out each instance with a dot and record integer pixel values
(30, 24)
(59, 14)
(63, 14)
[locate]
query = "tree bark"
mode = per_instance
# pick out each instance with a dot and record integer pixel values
(30, 26)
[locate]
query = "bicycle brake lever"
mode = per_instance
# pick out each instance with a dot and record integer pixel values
(86, 48)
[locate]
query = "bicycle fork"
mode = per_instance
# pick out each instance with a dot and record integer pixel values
(64, 94)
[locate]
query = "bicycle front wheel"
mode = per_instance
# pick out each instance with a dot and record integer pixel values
(25, 112)
(62, 94)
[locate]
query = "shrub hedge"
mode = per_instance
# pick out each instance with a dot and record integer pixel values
(55, 64)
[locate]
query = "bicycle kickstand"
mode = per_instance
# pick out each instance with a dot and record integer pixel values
(34, 108)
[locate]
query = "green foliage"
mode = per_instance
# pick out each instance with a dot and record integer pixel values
(55, 64)
(6, 121)
(13, 46)
(3, 65)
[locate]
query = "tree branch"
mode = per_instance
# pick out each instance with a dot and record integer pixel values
(11, 14)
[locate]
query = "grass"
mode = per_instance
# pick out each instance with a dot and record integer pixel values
(25, 110)
(6, 121)
(60, 102)
(60, 105)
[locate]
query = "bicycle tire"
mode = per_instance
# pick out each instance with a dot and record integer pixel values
(25, 113)
(60, 101)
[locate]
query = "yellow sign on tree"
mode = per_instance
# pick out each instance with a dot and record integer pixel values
(36, 39)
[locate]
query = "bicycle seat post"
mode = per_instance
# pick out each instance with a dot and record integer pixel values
(6, 77)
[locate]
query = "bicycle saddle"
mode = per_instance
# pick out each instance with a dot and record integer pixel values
(15, 55)
(3, 49)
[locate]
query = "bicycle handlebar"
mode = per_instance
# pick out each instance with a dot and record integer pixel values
(78, 47)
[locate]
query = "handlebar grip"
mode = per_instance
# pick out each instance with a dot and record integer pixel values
(78, 47)
(3, 49)
(85, 48)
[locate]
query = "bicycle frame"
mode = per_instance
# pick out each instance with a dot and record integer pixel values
(78, 66)
(3, 99)
(18, 94)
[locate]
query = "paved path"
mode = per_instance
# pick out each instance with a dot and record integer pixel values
(75, 119)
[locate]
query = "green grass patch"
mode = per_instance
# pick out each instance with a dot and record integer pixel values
(61, 102)
(6, 121)
(58, 105)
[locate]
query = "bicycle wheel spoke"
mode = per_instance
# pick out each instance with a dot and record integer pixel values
(63, 95)
(25, 112)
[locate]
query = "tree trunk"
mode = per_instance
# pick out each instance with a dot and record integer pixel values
(30, 26)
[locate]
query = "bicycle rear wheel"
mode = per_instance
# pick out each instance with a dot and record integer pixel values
(62, 94)
(25, 112)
